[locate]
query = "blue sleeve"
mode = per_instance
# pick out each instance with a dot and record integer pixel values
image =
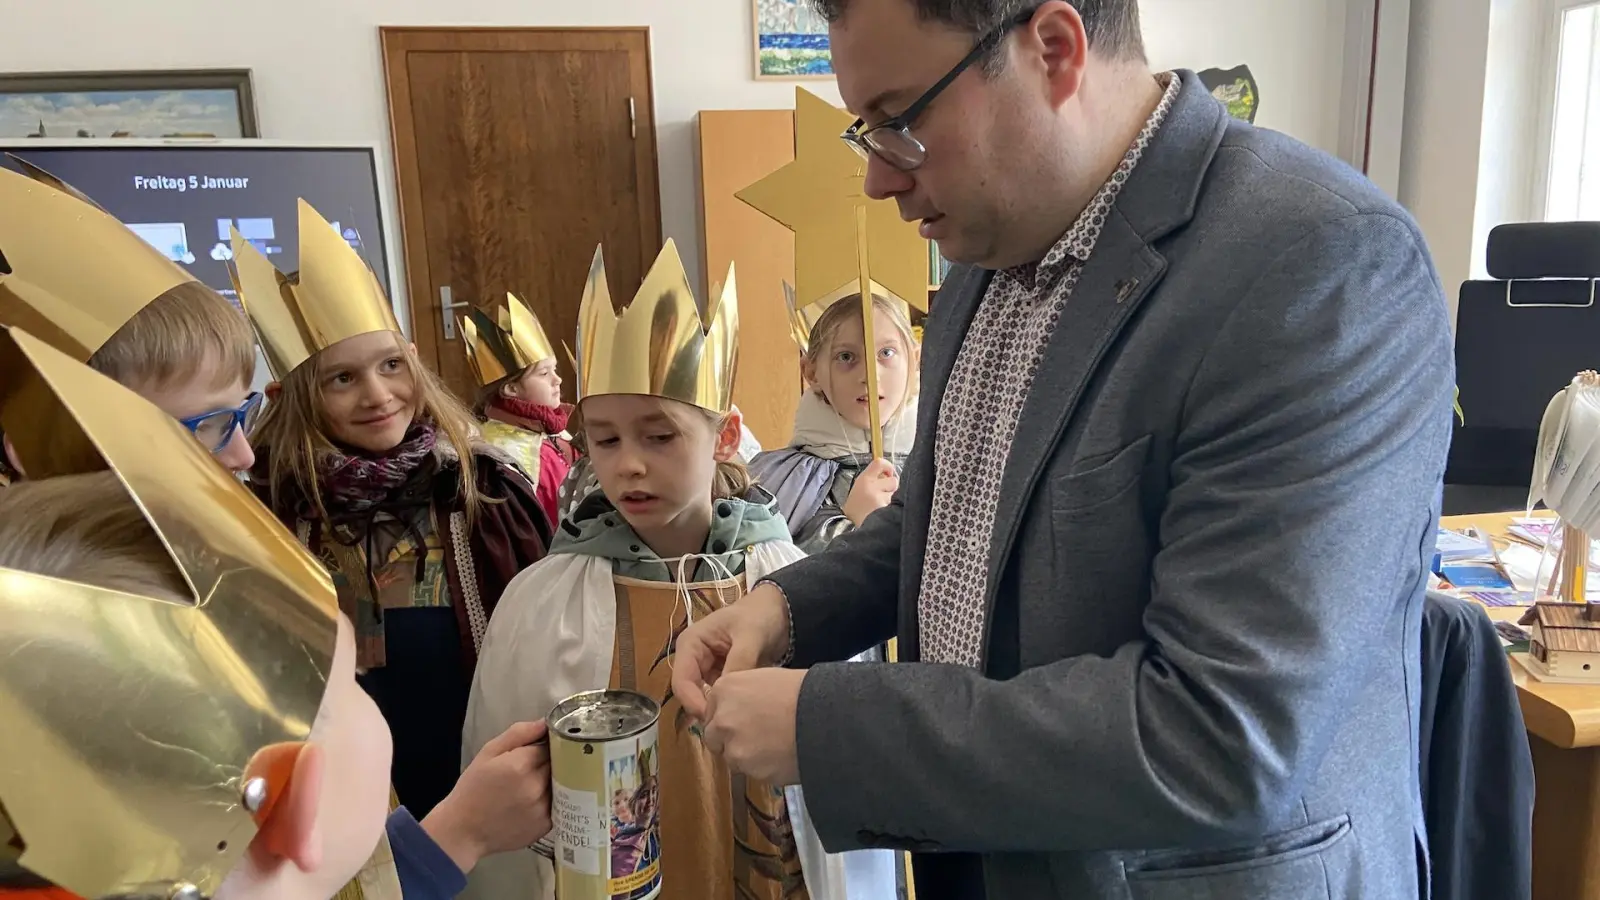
(426, 872)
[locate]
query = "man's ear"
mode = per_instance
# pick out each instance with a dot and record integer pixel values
(290, 833)
(273, 390)
(11, 457)
(730, 436)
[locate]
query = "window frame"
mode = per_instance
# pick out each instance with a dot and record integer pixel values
(1554, 11)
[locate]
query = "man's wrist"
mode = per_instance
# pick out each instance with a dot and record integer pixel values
(454, 837)
(785, 652)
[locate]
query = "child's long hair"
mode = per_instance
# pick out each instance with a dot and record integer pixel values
(85, 528)
(175, 337)
(292, 433)
(848, 308)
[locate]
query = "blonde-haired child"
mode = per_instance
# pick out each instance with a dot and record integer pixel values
(368, 457)
(676, 530)
(826, 480)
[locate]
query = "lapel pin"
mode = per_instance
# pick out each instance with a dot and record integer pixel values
(1125, 288)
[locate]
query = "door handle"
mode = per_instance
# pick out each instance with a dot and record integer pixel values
(445, 307)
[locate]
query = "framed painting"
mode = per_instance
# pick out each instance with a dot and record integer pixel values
(791, 41)
(209, 103)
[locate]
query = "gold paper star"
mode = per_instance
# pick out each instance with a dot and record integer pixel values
(816, 197)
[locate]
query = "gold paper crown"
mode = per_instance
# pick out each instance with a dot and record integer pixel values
(335, 296)
(662, 345)
(69, 271)
(497, 349)
(130, 720)
(803, 320)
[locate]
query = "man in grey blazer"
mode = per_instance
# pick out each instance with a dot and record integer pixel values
(1157, 562)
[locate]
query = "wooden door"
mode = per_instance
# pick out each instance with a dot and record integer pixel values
(517, 151)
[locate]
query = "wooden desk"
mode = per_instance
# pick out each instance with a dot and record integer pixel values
(1563, 723)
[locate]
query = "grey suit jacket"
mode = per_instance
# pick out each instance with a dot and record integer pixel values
(1207, 570)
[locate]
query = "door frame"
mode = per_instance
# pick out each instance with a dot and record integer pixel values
(1372, 96)
(423, 303)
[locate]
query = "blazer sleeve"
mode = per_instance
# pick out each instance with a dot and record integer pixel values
(1307, 457)
(845, 600)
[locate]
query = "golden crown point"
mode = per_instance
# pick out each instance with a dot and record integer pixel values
(507, 345)
(333, 296)
(131, 719)
(802, 320)
(69, 271)
(662, 344)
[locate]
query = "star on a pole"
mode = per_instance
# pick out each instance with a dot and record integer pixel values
(816, 196)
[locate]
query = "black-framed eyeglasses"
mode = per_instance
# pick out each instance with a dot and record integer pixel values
(215, 429)
(892, 140)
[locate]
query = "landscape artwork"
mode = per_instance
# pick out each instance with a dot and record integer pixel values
(127, 105)
(791, 41)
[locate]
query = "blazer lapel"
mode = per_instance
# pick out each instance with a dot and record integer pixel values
(1118, 276)
(1159, 197)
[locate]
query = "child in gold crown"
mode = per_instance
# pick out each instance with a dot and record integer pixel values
(81, 280)
(519, 399)
(676, 531)
(366, 455)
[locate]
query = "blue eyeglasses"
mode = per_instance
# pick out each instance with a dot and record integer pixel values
(215, 429)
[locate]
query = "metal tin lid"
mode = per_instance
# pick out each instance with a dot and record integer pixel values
(603, 715)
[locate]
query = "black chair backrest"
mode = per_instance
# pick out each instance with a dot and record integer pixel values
(1519, 339)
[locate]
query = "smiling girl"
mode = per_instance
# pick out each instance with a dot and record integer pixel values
(366, 455)
(826, 480)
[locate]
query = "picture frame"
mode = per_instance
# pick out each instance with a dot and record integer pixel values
(789, 42)
(141, 104)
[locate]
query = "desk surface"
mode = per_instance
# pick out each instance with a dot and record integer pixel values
(1567, 715)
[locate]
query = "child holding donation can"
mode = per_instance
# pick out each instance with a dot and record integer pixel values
(676, 531)
(365, 454)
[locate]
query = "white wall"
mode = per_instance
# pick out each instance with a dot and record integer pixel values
(1445, 78)
(318, 69)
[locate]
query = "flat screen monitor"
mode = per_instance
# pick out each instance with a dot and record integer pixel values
(184, 197)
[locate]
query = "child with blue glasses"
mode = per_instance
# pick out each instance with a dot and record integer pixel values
(81, 280)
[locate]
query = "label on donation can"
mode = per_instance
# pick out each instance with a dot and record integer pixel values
(605, 770)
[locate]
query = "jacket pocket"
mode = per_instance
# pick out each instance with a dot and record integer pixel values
(1314, 862)
(1079, 491)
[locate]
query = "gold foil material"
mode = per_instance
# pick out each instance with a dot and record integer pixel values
(496, 349)
(129, 719)
(802, 321)
(816, 197)
(337, 295)
(72, 273)
(661, 345)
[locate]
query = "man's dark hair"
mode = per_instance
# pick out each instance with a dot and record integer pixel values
(1111, 25)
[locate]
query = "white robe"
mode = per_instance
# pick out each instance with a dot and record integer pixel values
(552, 636)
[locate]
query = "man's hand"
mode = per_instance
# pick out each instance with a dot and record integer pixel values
(750, 723)
(754, 631)
(873, 489)
(501, 802)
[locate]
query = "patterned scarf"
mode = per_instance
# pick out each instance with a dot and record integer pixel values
(527, 414)
(352, 484)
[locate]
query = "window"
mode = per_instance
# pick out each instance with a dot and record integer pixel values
(1572, 186)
